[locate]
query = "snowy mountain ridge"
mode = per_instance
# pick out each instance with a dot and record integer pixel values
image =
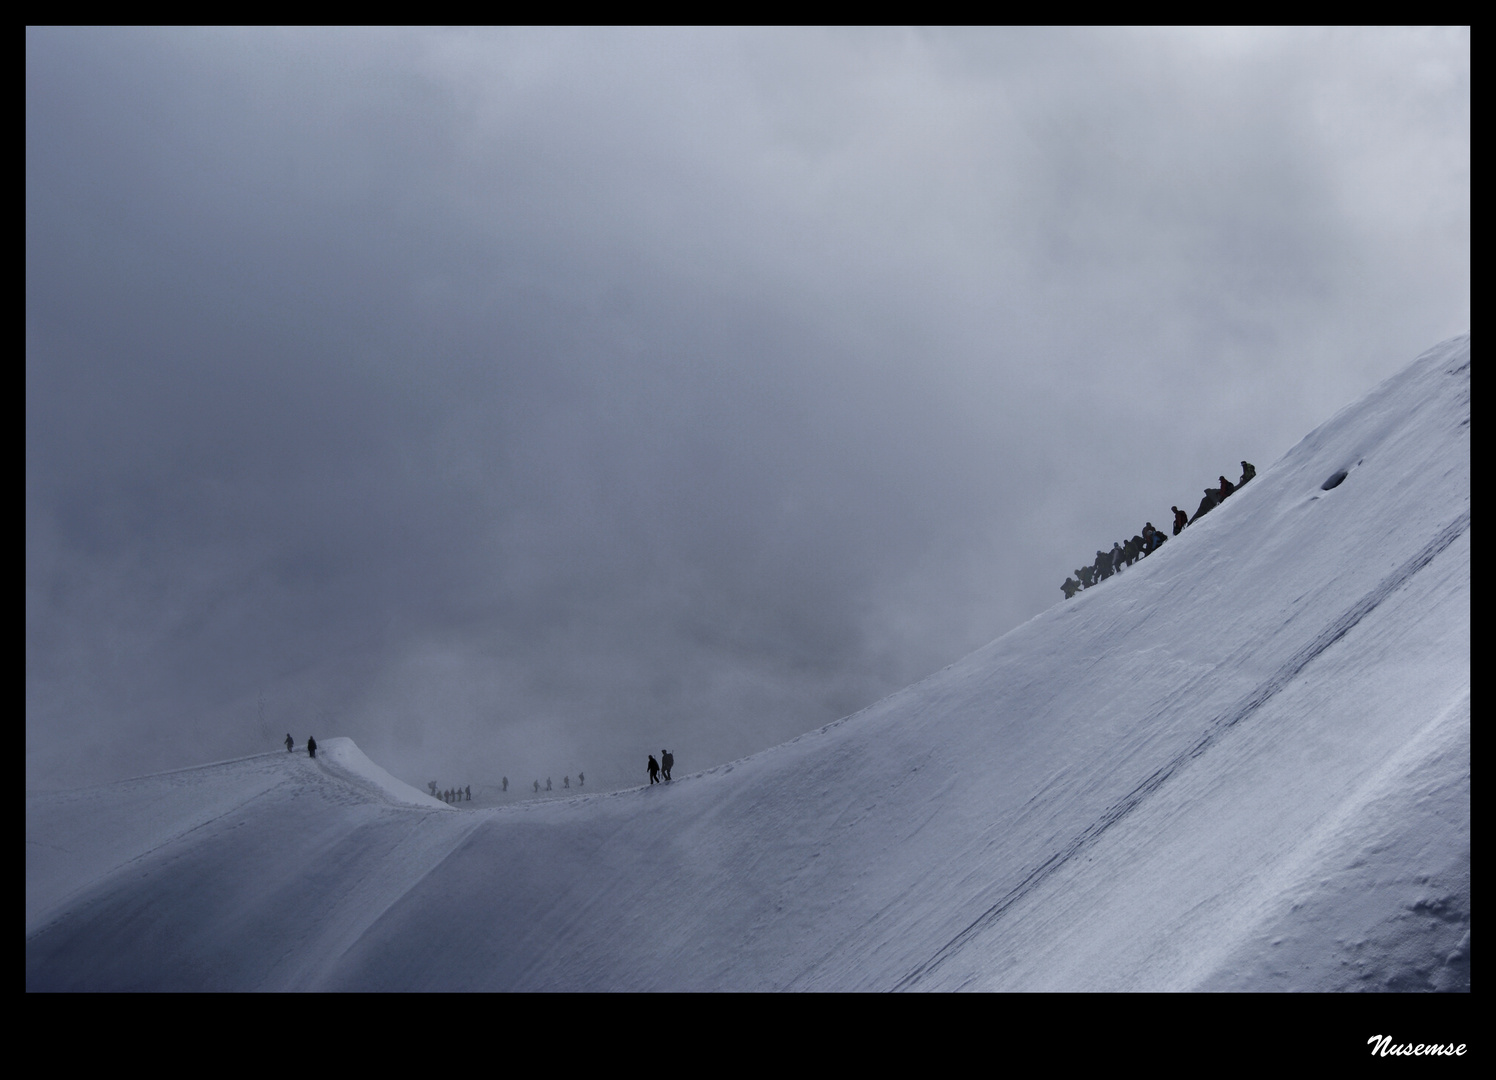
(1242, 763)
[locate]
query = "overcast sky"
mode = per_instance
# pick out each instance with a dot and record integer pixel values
(521, 402)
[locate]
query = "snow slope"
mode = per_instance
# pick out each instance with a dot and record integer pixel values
(1242, 763)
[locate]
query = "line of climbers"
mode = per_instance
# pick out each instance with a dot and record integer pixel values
(1150, 539)
(465, 794)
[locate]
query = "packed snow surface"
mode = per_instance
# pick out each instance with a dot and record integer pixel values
(1241, 764)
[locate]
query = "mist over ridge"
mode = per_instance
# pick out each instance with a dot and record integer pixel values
(1240, 764)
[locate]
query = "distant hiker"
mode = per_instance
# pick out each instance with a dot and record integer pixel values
(667, 759)
(1247, 472)
(432, 785)
(1180, 520)
(506, 783)
(311, 746)
(581, 779)
(654, 770)
(1134, 549)
(1207, 504)
(290, 742)
(1227, 487)
(566, 782)
(537, 787)
(1116, 556)
(548, 783)
(1149, 539)
(469, 790)
(1103, 565)
(1069, 588)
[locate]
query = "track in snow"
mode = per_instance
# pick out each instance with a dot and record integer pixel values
(1243, 708)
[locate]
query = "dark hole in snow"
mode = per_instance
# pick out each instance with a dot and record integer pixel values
(1333, 481)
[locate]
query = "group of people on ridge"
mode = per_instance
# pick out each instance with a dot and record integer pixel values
(465, 794)
(1149, 540)
(565, 782)
(656, 768)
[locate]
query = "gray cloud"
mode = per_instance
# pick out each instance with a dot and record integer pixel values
(514, 401)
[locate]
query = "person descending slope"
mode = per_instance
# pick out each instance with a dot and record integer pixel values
(654, 770)
(311, 746)
(290, 742)
(1207, 504)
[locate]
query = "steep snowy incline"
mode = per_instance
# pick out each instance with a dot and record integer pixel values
(246, 874)
(1242, 763)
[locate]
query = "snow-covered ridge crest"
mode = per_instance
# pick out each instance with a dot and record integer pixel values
(1242, 763)
(341, 757)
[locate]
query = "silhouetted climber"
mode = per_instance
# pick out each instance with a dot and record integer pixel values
(1133, 551)
(1180, 520)
(667, 759)
(1070, 587)
(566, 782)
(469, 792)
(537, 787)
(1247, 472)
(654, 770)
(290, 742)
(1207, 504)
(1116, 556)
(1227, 487)
(1085, 573)
(506, 783)
(1103, 566)
(581, 779)
(311, 746)
(432, 785)
(1158, 540)
(548, 783)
